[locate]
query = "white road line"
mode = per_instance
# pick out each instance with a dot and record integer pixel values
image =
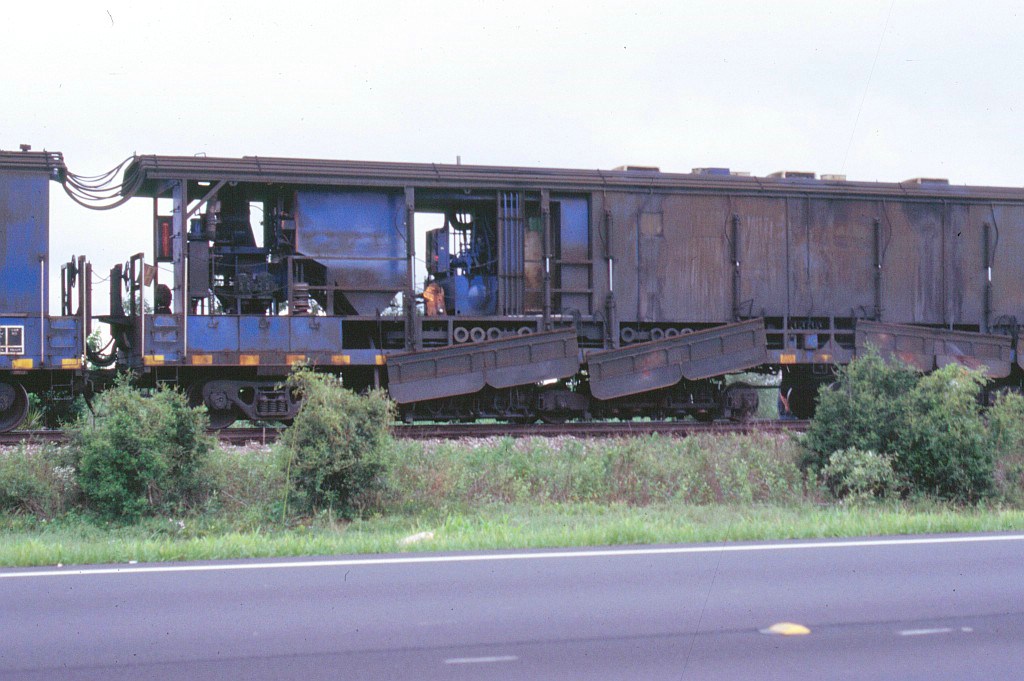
(925, 632)
(499, 557)
(481, 660)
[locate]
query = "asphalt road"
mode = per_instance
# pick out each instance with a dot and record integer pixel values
(908, 608)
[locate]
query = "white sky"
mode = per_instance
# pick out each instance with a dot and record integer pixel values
(756, 86)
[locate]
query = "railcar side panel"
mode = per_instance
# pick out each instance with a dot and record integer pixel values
(762, 254)
(24, 242)
(1006, 250)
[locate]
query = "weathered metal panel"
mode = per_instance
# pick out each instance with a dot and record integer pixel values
(663, 363)
(1007, 263)
(831, 251)
(671, 257)
(694, 278)
(926, 349)
(965, 270)
(360, 238)
(623, 210)
(762, 254)
(24, 241)
(465, 369)
(913, 262)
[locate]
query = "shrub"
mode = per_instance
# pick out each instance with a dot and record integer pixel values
(862, 411)
(333, 450)
(143, 455)
(59, 408)
(1006, 439)
(33, 481)
(932, 425)
(857, 474)
(943, 447)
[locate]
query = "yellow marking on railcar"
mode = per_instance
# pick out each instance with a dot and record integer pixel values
(152, 360)
(202, 360)
(22, 363)
(787, 359)
(71, 363)
(249, 360)
(380, 359)
(344, 360)
(292, 360)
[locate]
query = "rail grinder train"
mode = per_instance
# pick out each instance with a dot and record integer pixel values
(508, 293)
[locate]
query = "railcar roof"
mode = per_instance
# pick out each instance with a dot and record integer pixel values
(149, 174)
(49, 162)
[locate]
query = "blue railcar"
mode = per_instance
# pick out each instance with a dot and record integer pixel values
(39, 353)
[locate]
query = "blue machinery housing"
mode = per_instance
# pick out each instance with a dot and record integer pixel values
(541, 293)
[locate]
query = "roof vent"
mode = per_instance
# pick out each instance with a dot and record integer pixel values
(793, 174)
(928, 181)
(711, 171)
(832, 177)
(639, 169)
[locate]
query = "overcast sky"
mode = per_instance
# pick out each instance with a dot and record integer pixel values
(884, 90)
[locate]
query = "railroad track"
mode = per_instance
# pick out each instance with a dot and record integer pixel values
(446, 431)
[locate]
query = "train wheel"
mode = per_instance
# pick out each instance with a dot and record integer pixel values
(742, 401)
(13, 405)
(220, 419)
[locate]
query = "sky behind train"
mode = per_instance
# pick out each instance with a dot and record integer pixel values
(886, 89)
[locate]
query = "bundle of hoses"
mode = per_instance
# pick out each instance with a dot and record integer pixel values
(103, 191)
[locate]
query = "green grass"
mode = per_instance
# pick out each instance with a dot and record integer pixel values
(487, 494)
(75, 540)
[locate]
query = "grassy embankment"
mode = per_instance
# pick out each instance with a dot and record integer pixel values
(489, 494)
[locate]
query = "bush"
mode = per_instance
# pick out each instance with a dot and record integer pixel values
(856, 474)
(943, 444)
(33, 481)
(932, 425)
(863, 411)
(59, 408)
(1006, 439)
(333, 450)
(143, 455)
